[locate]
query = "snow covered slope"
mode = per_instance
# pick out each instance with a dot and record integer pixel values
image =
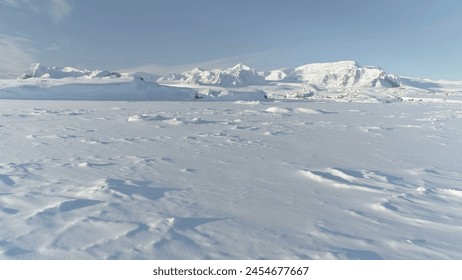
(107, 88)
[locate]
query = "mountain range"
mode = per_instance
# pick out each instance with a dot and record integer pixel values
(328, 75)
(341, 81)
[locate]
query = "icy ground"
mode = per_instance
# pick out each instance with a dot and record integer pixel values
(225, 180)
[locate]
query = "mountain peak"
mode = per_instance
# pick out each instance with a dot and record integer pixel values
(35, 70)
(240, 66)
(329, 65)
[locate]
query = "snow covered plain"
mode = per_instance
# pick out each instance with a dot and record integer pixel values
(302, 175)
(230, 180)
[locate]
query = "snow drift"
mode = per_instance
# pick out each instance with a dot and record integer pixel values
(231, 95)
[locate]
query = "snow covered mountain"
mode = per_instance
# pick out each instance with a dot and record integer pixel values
(238, 75)
(337, 74)
(340, 81)
(325, 75)
(278, 75)
(38, 70)
(40, 82)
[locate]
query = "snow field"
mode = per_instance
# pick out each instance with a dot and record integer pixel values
(223, 180)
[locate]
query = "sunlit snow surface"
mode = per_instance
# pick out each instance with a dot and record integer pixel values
(225, 180)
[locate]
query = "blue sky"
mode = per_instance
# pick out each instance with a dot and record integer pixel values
(420, 38)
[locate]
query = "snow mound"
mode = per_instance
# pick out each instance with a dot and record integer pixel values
(237, 76)
(278, 110)
(146, 117)
(231, 95)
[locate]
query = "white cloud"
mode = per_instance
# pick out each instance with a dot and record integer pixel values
(15, 55)
(11, 3)
(58, 10)
(53, 47)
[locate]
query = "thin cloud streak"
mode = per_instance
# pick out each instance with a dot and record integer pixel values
(15, 55)
(58, 10)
